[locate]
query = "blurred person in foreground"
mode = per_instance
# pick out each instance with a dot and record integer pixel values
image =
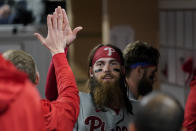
(20, 108)
(158, 112)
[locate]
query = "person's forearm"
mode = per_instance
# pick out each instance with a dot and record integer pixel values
(66, 85)
(51, 92)
(64, 74)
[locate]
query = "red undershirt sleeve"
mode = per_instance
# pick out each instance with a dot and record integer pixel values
(51, 92)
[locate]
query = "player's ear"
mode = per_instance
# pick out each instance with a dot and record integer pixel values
(37, 79)
(90, 72)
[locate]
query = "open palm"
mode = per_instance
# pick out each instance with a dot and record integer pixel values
(60, 33)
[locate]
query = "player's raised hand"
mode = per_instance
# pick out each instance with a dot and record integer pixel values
(59, 32)
(67, 31)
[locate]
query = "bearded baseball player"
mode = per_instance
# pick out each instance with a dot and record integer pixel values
(106, 107)
(141, 65)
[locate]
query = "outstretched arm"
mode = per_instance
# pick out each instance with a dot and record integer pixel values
(51, 86)
(62, 113)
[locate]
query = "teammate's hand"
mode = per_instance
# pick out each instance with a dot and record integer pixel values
(60, 34)
(67, 31)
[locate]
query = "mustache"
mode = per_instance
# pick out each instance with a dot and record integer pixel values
(107, 75)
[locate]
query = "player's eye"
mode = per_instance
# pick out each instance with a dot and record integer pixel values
(99, 64)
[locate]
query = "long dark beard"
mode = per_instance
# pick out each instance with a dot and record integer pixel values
(106, 94)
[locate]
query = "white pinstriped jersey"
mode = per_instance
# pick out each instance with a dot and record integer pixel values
(91, 120)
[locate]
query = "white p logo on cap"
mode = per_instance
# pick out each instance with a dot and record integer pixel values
(110, 50)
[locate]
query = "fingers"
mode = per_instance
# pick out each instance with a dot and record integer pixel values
(65, 21)
(54, 20)
(58, 10)
(58, 18)
(40, 37)
(60, 22)
(76, 30)
(49, 22)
